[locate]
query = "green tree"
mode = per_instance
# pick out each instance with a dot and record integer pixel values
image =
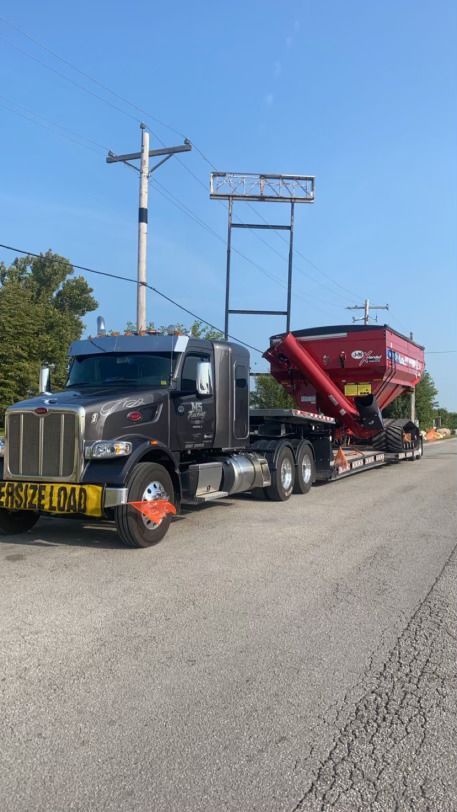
(41, 312)
(426, 393)
(269, 394)
(201, 330)
(448, 419)
(198, 329)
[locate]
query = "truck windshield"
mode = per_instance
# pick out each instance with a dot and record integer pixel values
(111, 369)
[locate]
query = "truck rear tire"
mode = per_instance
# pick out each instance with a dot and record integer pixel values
(149, 481)
(305, 469)
(13, 522)
(283, 478)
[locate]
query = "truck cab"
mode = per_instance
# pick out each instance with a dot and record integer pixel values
(142, 417)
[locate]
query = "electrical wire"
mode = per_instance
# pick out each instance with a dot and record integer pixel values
(142, 110)
(73, 137)
(162, 190)
(160, 293)
(93, 79)
(66, 132)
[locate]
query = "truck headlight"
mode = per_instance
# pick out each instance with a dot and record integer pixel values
(2, 447)
(107, 450)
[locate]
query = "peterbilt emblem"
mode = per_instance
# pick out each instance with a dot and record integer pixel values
(41, 410)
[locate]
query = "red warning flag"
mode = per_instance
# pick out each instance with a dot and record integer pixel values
(154, 509)
(341, 461)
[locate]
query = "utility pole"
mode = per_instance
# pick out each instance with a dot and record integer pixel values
(412, 395)
(145, 173)
(366, 307)
(142, 231)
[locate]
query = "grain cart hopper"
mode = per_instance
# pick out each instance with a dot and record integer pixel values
(351, 373)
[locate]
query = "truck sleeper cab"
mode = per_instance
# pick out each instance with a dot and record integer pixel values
(142, 418)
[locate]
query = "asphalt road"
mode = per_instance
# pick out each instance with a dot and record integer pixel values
(262, 657)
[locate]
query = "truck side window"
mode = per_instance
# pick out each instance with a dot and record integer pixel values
(241, 401)
(189, 372)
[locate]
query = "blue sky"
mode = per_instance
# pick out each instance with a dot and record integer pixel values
(361, 95)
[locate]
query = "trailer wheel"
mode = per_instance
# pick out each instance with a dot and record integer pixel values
(305, 469)
(394, 437)
(283, 478)
(380, 441)
(150, 481)
(13, 522)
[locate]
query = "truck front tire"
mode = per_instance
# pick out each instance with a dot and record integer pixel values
(149, 481)
(13, 522)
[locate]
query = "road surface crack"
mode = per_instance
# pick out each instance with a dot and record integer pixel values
(381, 758)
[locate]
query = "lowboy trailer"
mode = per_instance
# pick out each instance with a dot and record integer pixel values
(163, 420)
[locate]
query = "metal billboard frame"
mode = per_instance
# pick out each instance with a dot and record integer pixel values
(260, 188)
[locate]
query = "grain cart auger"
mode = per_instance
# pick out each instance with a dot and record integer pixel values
(351, 373)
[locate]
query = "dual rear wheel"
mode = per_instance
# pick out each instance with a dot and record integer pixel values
(292, 474)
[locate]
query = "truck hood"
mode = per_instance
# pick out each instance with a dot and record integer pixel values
(107, 409)
(105, 397)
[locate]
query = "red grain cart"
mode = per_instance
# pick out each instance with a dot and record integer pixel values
(351, 373)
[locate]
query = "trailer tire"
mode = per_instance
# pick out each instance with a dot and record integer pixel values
(394, 437)
(13, 522)
(305, 469)
(134, 530)
(380, 441)
(283, 477)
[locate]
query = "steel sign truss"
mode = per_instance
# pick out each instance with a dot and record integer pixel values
(262, 187)
(248, 186)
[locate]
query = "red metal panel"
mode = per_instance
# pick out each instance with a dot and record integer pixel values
(378, 356)
(355, 359)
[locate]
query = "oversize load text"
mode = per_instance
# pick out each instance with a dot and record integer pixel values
(44, 497)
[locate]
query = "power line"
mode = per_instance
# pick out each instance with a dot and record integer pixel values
(67, 133)
(73, 137)
(93, 79)
(134, 282)
(297, 251)
(72, 81)
(142, 110)
(202, 223)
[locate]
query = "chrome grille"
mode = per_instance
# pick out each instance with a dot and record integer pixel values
(43, 446)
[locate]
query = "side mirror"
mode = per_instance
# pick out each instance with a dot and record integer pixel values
(45, 379)
(204, 379)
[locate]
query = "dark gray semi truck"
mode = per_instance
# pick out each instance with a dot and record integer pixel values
(166, 417)
(146, 417)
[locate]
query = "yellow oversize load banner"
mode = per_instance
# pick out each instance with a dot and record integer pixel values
(52, 498)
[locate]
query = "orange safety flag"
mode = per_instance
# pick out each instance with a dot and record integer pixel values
(340, 460)
(154, 509)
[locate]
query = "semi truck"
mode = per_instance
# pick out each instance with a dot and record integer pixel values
(165, 418)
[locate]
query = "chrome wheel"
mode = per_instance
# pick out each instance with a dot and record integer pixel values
(286, 474)
(153, 491)
(306, 469)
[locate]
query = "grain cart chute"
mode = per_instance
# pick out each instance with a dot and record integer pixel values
(351, 373)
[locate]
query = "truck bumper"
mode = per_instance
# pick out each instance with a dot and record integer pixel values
(61, 498)
(113, 497)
